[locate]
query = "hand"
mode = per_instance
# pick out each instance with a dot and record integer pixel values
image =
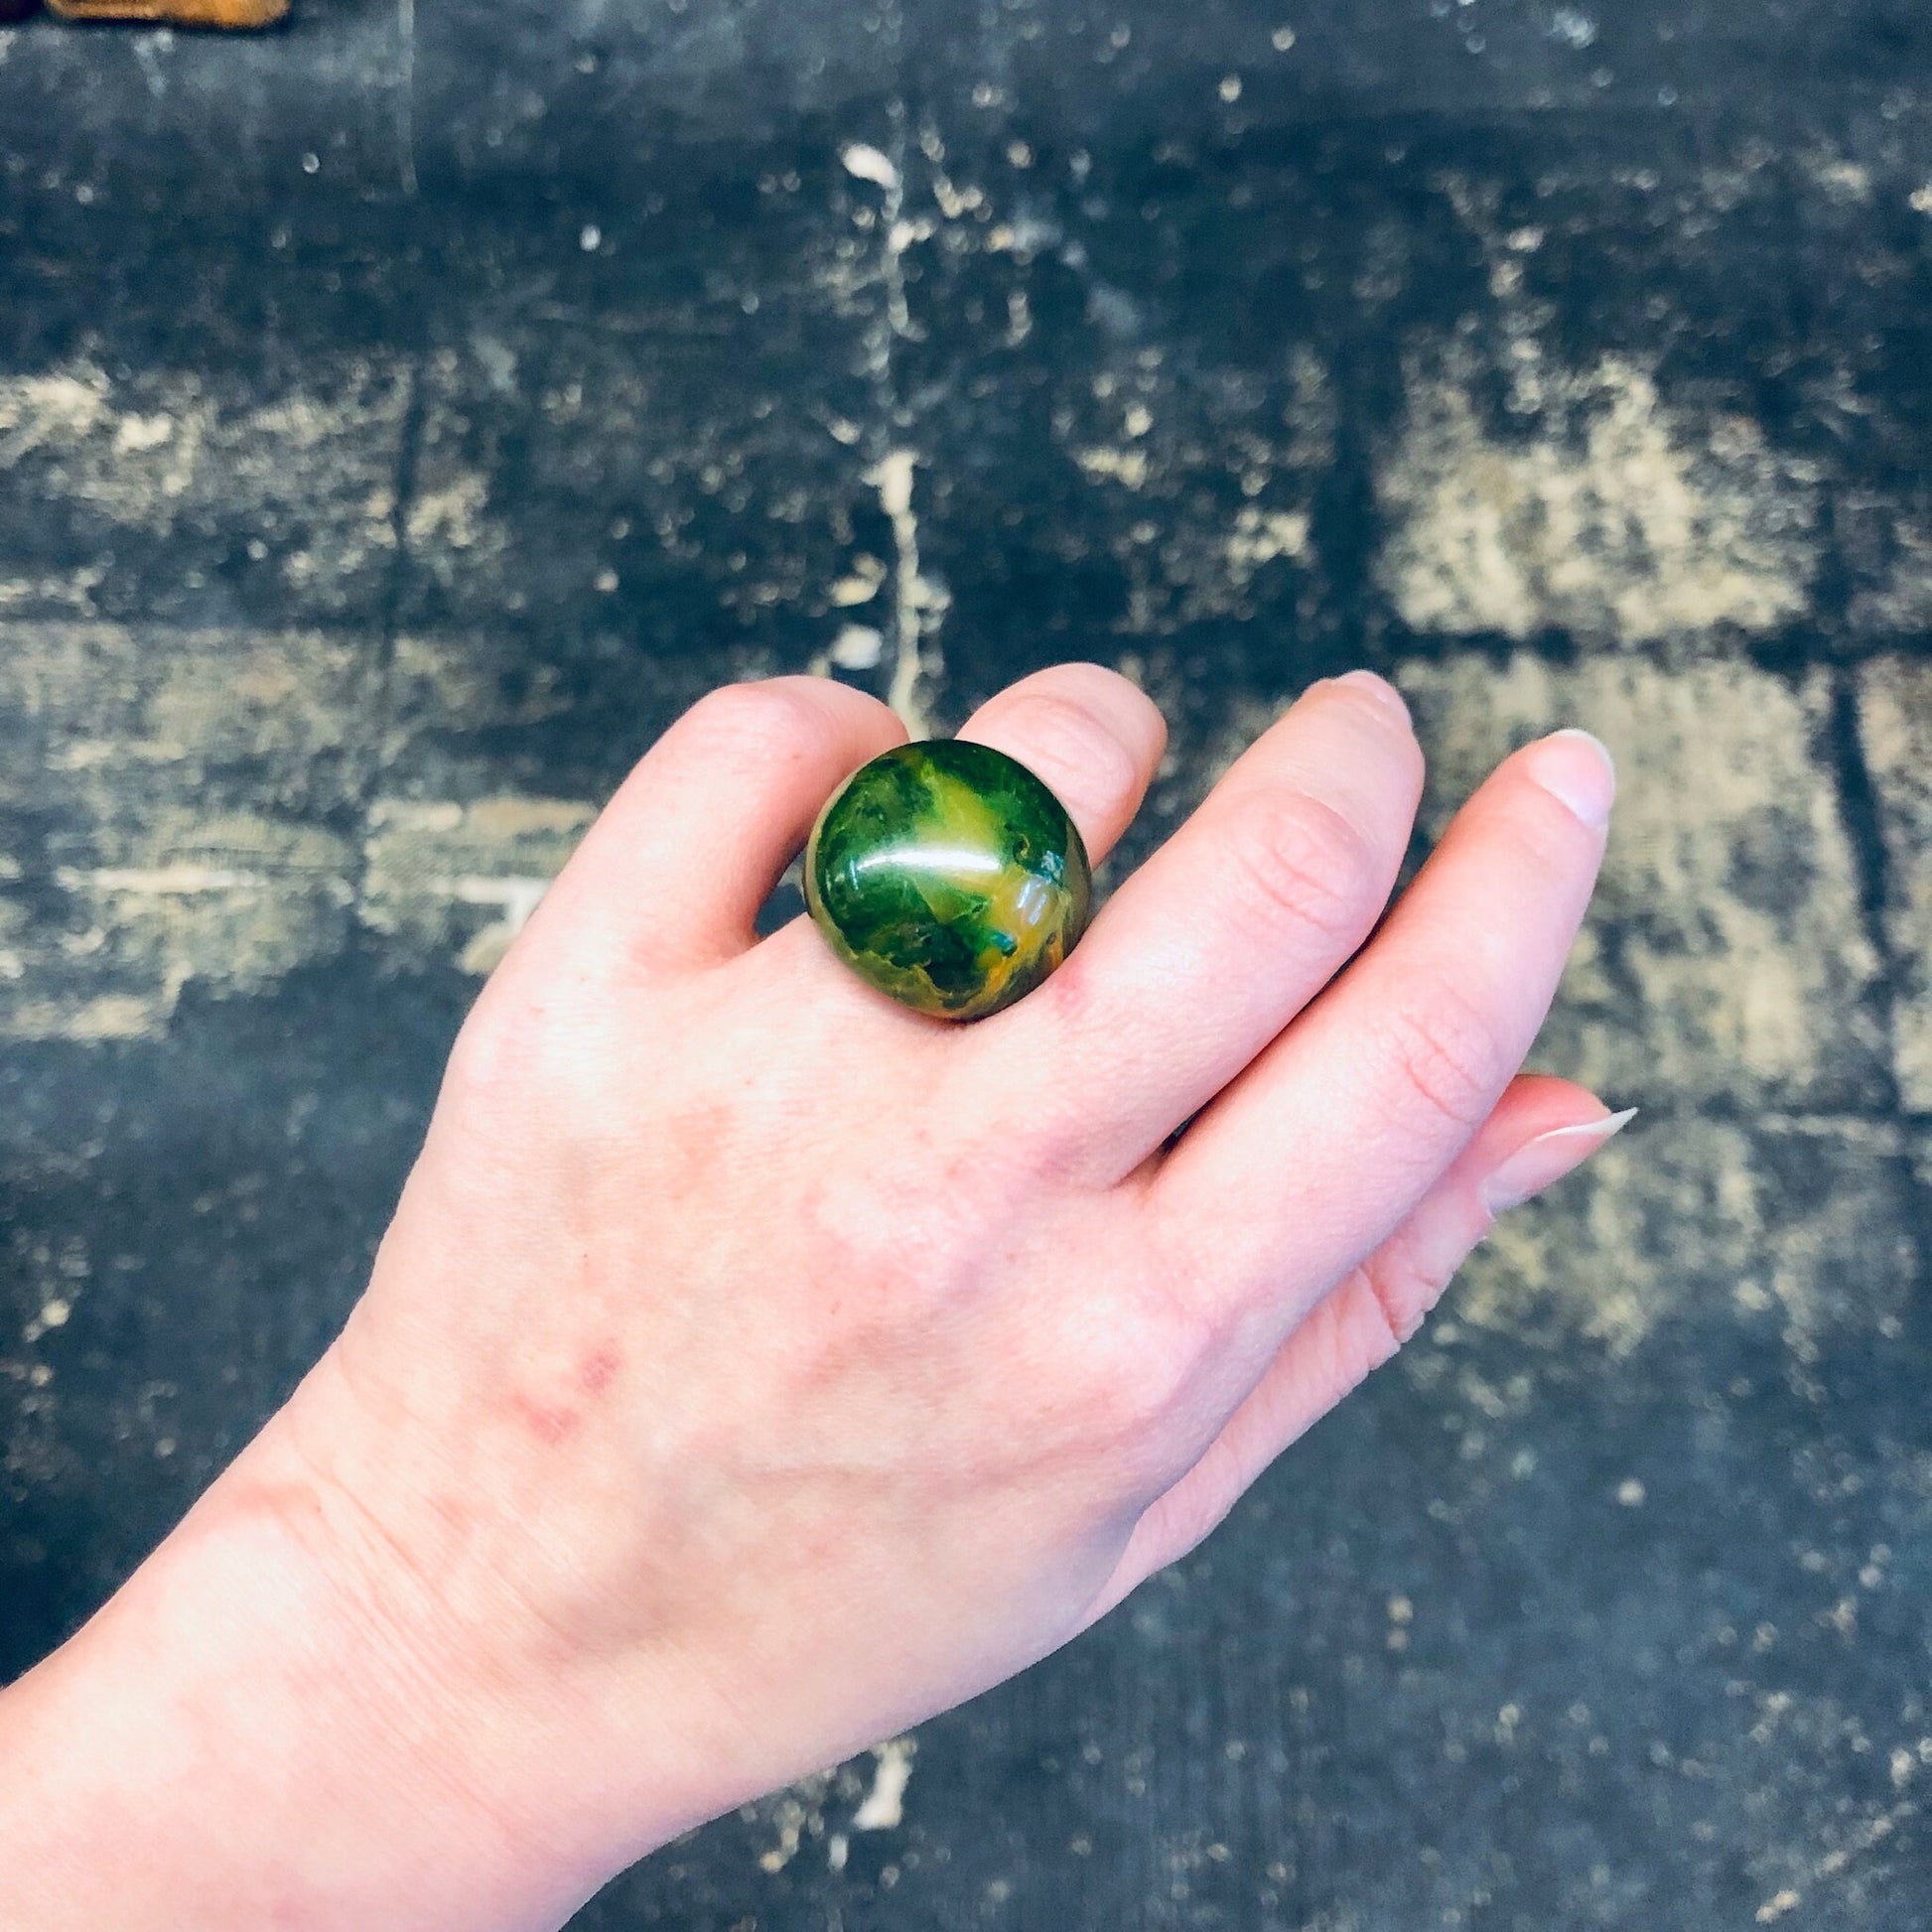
(753, 1367)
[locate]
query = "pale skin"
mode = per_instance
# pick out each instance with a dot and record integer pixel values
(754, 1368)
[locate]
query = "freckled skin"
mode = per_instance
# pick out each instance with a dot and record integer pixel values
(949, 877)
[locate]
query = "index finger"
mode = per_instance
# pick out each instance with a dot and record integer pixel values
(1325, 1144)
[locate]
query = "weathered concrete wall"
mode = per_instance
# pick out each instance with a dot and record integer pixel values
(401, 418)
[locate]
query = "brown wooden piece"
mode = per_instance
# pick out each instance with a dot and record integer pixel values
(176, 13)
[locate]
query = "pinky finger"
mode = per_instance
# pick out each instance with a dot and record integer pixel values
(1541, 1129)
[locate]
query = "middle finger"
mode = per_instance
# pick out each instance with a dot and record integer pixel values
(1218, 941)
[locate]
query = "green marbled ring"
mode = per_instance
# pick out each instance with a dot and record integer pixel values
(946, 875)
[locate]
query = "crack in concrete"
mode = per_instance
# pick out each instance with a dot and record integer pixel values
(406, 93)
(918, 603)
(915, 654)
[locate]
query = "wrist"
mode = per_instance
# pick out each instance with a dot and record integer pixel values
(275, 1722)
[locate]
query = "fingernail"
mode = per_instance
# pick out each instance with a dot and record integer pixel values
(1377, 687)
(1578, 771)
(1547, 1158)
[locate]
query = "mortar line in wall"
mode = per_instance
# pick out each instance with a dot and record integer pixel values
(1859, 805)
(1782, 654)
(406, 95)
(1741, 1111)
(403, 492)
(1857, 799)
(1346, 515)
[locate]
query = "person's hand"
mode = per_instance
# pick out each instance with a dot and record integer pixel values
(753, 1367)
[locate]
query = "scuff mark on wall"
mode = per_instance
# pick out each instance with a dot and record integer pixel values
(1715, 1208)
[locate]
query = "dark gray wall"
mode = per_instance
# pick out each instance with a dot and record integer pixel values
(397, 427)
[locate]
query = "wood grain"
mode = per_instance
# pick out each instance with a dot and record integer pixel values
(178, 13)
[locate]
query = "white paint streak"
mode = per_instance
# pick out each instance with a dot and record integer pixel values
(1261, 537)
(858, 647)
(1873, 1832)
(793, 1814)
(114, 1015)
(918, 604)
(1104, 463)
(167, 450)
(861, 586)
(137, 434)
(883, 1809)
(162, 881)
(427, 858)
(36, 410)
(148, 50)
(866, 163)
(452, 513)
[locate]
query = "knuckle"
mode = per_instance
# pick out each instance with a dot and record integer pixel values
(532, 1057)
(1131, 1394)
(499, 1054)
(1304, 864)
(1128, 711)
(1144, 1367)
(1444, 1055)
